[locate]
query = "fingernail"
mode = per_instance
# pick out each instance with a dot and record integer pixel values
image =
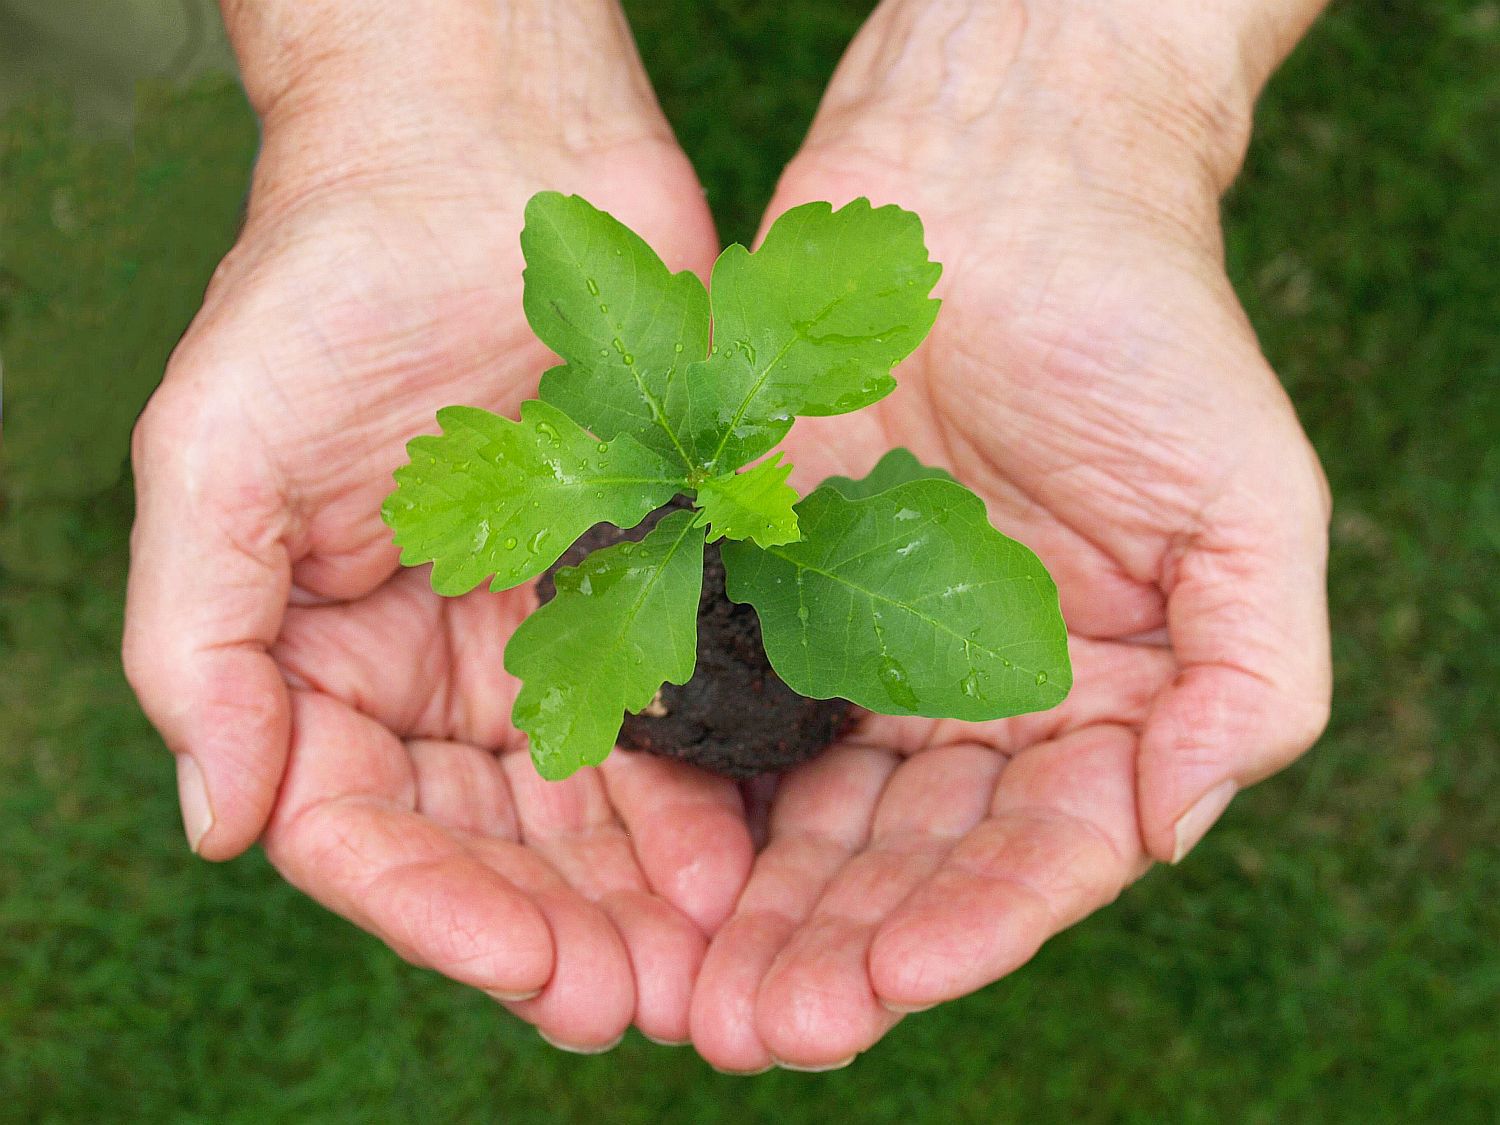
(1192, 824)
(744, 1073)
(574, 1049)
(666, 1042)
(819, 1069)
(905, 1009)
(512, 997)
(192, 794)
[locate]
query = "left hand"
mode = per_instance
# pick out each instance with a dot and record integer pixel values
(1092, 376)
(322, 700)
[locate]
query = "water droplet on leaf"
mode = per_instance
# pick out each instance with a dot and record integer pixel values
(510, 542)
(1041, 678)
(969, 685)
(537, 540)
(897, 684)
(593, 287)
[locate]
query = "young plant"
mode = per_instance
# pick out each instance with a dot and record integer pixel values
(892, 591)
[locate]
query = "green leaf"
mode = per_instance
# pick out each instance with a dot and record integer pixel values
(896, 467)
(622, 623)
(493, 496)
(811, 323)
(755, 504)
(596, 294)
(909, 603)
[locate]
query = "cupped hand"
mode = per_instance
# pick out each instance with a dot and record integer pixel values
(322, 700)
(1092, 376)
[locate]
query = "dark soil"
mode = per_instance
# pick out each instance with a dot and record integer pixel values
(735, 716)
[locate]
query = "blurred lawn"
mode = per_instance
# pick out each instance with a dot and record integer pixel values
(1329, 954)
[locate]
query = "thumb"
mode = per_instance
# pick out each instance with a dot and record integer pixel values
(1248, 618)
(209, 579)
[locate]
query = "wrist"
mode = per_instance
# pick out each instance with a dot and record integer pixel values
(1147, 97)
(353, 89)
(1172, 79)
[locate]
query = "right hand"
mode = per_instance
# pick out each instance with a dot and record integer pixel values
(323, 700)
(1092, 377)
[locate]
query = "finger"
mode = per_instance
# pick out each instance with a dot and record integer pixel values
(411, 661)
(464, 788)
(1248, 617)
(590, 998)
(346, 831)
(665, 950)
(572, 825)
(721, 1019)
(209, 577)
(688, 831)
(817, 1007)
(822, 816)
(1060, 841)
(426, 666)
(584, 1007)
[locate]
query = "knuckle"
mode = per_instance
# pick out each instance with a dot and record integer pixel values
(134, 656)
(147, 439)
(1308, 718)
(1322, 489)
(193, 432)
(144, 665)
(1302, 716)
(168, 422)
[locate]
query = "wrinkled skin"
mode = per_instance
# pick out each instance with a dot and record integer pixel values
(329, 699)
(1091, 376)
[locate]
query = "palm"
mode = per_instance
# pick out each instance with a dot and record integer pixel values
(408, 802)
(1068, 382)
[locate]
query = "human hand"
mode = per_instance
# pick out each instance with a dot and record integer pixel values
(319, 700)
(1092, 376)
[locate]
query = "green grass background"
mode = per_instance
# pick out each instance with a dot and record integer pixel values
(1329, 954)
